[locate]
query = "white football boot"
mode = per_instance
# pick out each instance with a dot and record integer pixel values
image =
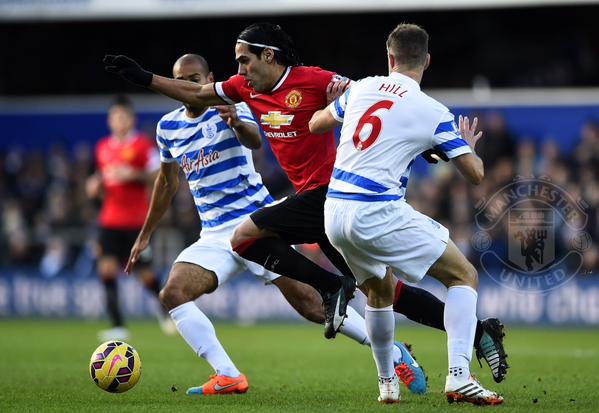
(389, 390)
(469, 390)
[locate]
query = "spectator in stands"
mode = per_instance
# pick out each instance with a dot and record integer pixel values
(498, 142)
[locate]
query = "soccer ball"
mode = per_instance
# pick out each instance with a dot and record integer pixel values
(115, 366)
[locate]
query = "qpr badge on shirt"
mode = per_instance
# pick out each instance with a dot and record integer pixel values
(209, 130)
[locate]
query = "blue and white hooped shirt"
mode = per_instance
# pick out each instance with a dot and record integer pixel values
(387, 122)
(219, 169)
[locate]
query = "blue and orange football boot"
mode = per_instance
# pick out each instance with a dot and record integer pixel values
(409, 371)
(220, 385)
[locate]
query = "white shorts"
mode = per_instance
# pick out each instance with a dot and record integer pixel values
(213, 252)
(372, 236)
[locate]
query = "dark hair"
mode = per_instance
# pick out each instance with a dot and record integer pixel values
(123, 102)
(271, 35)
(409, 44)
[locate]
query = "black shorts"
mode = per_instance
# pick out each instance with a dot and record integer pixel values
(299, 219)
(118, 243)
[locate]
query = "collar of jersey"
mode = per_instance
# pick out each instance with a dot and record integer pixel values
(405, 79)
(281, 80)
(199, 118)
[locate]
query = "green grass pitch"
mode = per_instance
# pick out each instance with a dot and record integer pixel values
(290, 367)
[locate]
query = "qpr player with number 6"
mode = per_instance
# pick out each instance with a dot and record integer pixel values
(387, 122)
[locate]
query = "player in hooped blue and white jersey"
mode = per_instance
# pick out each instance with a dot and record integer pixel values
(387, 122)
(218, 168)
(206, 143)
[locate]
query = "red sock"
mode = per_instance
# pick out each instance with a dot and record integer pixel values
(241, 248)
(398, 288)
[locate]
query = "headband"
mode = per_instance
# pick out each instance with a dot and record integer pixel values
(259, 45)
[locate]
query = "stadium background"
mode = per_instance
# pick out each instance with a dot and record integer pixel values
(528, 68)
(530, 73)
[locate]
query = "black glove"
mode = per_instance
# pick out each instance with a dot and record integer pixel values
(128, 69)
(428, 155)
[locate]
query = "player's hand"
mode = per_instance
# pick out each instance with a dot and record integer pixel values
(434, 156)
(468, 131)
(128, 69)
(141, 243)
(228, 113)
(336, 88)
(93, 186)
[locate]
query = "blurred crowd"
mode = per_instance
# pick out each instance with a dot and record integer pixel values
(511, 161)
(47, 222)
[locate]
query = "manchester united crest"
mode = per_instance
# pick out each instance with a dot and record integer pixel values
(293, 99)
(532, 235)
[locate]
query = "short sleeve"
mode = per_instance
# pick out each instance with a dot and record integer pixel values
(229, 89)
(245, 114)
(337, 108)
(163, 147)
(447, 138)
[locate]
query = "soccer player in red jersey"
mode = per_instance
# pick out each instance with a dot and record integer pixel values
(125, 161)
(283, 95)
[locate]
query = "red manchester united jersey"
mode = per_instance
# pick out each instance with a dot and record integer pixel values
(125, 202)
(284, 113)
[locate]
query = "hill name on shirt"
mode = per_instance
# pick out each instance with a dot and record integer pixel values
(393, 89)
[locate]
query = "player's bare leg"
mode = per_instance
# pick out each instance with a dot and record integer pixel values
(380, 323)
(185, 284)
(461, 280)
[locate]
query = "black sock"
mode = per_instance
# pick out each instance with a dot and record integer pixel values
(419, 305)
(277, 256)
(112, 302)
(335, 257)
(423, 307)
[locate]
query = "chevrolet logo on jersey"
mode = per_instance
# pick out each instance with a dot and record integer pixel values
(275, 120)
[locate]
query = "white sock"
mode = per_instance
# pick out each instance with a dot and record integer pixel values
(460, 324)
(397, 356)
(380, 324)
(199, 333)
(354, 327)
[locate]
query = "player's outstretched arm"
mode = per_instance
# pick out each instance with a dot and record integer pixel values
(165, 188)
(470, 165)
(181, 90)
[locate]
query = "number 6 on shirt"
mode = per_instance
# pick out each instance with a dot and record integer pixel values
(375, 121)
